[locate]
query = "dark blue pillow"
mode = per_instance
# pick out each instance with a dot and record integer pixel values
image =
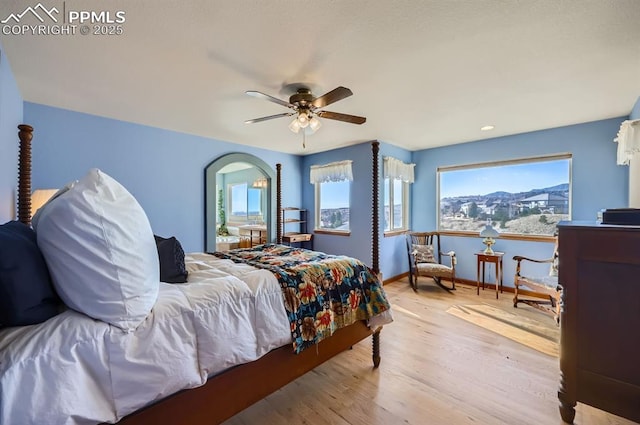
(171, 256)
(27, 296)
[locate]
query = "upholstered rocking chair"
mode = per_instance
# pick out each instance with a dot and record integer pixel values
(546, 284)
(425, 259)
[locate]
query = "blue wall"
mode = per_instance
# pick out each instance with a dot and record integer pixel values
(393, 260)
(358, 244)
(597, 182)
(10, 116)
(635, 112)
(393, 249)
(163, 169)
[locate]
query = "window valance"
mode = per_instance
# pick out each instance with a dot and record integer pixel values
(332, 172)
(396, 169)
(628, 141)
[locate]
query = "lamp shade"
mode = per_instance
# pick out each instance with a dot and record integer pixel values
(489, 232)
(40, 197)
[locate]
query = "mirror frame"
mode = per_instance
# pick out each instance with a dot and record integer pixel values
(210, 195)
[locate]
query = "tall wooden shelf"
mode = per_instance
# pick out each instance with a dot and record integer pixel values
(294, 223)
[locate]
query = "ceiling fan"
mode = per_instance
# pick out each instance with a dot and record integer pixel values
(306, 108)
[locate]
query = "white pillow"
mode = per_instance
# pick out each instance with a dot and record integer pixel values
(100, 250)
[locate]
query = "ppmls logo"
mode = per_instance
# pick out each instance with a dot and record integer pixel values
(86, 22)
(33, 11)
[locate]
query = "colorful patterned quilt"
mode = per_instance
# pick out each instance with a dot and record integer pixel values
(322, 292)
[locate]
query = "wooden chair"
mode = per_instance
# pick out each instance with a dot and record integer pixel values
(425, 259)
(547, 285)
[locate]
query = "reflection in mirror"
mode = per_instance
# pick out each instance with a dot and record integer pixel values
(239, 204)
(245, 203)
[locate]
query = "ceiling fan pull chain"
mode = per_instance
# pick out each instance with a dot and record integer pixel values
(304, 139)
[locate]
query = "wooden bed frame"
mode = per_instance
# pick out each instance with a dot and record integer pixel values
(237, 388)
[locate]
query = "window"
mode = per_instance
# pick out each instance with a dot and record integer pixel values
(522, 197)
(397, 177)
(332, 206)
(396, 194)
(246, 202)
(333, 196)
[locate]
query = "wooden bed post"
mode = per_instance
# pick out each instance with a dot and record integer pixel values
(375, 242)
(375, 250)
(279, 203)
(24, 173)
(375, 342)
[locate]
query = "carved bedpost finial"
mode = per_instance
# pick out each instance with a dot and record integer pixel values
(279, 203)
(375, 250)
(24, 173)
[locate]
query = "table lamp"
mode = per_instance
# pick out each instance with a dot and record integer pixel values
(40, 197)
(489, 234)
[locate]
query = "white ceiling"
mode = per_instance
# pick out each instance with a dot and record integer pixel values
(425, 73)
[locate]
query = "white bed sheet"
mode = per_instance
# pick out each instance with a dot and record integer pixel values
(76, 370)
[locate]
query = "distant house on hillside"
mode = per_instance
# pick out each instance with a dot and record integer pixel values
(489, 210)
(465, 207)
(546, 202)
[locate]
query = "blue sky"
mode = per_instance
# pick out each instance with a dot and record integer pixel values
(242, 197)
(335, 195)
(508, 178)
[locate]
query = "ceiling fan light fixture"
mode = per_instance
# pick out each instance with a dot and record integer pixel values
(314, 124)
(260, 183)
(295, 125)
(303, 119)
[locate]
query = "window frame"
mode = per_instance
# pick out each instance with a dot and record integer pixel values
(229, 205)
(389, 188)
(318, 215)
(494, 168)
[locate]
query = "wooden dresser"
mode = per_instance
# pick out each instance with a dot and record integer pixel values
(599, 269)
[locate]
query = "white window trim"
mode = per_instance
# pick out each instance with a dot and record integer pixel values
(405, 207)
(394, 169)
(497, 164)
(317, 223)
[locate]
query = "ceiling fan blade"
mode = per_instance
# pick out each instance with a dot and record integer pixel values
(270, 117)
(353, 119)
(269, 98)
(334, 95)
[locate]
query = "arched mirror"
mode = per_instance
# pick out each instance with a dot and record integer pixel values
(239, 202)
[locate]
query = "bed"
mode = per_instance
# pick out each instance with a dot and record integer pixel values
(214, 381)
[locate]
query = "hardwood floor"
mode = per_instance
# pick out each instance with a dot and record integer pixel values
(436, 369)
